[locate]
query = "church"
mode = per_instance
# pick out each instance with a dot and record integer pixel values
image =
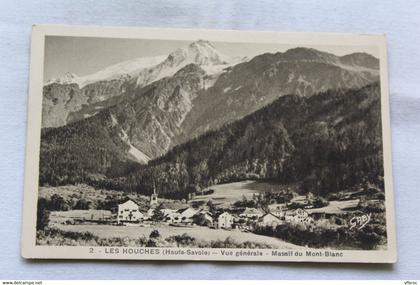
(153, 197)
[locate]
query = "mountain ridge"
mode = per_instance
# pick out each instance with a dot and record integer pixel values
(327, 143)
(152, 119)
(248, 86)
(122, 69)
(140, 72)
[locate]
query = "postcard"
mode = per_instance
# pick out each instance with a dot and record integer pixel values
(183, 144)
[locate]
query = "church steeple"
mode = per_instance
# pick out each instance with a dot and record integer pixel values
(153, 197)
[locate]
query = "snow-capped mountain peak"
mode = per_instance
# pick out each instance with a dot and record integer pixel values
(205, 53)
(126, 68)
(199, 52)
(68, 78)
(150, 69)
(123, 69)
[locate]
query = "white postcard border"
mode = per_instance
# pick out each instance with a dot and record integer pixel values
(31, 250)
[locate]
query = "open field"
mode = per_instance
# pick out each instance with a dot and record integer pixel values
(225, 194)
(335, 207)
(200, 233)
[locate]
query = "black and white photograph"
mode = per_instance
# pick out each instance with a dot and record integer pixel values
(201, 146)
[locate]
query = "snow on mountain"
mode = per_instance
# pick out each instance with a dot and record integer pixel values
(193, 90)
(123, 69)
(151, 69)
(200, 52)
(130, 67)
(68, 78)
(74, 97)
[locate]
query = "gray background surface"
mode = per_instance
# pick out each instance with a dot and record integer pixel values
(400, 20)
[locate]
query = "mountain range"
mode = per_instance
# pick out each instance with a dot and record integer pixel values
(71, 94)
(107, 123)
(326, 143)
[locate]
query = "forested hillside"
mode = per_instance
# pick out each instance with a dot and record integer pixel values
(85, 150)
(100, 146)
(328, 142)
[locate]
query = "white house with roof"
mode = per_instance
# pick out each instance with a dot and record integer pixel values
(225, 221)
(179, 216)
(298, 216)
(270, 220)
(171, 216)
(129, 212)
(187, 215)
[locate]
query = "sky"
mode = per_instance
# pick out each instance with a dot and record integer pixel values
(86, 55)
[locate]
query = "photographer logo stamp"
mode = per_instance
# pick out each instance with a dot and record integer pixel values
(359, 222)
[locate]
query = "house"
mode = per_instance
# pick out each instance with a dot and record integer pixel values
(225, 221)
(251, 213)
(129, 212)
(165, 207)
(296, 216)
(270, 220)
(173, 217)
(167, 212)
(187, 214)
(74, 216)
(203, 217)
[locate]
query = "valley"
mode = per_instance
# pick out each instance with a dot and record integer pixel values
(247, 214)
